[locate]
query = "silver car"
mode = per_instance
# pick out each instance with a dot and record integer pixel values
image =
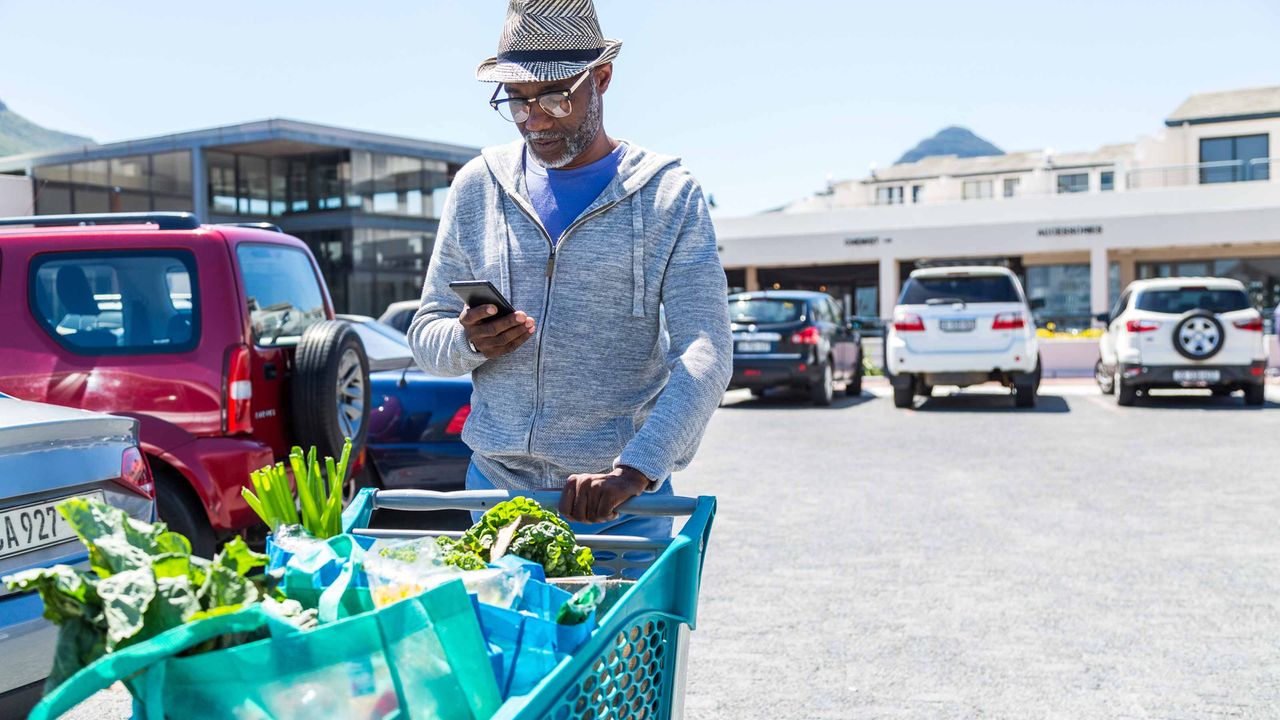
(48, 454)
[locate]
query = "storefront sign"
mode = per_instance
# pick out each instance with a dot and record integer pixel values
(866, 240)
(1070, 230)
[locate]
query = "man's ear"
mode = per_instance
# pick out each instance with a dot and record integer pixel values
(602, 76)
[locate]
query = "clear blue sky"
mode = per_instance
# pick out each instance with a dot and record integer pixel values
(762, 99)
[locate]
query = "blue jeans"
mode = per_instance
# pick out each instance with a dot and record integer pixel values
(640, 525)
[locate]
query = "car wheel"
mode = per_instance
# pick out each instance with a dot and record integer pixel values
(331, 393)
(853, 388)
(181, 510)
(825, 390)
(903, 396)
(1126, 393)
(1106, 381)
(1024, 395)
(1255, 395)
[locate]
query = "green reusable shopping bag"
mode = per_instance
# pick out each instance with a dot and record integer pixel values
(423, 657)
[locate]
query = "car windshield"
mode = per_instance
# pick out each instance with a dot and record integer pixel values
(1186, 299)
(764, 311)
(959, 288)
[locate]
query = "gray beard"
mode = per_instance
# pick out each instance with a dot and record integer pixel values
(575, 143)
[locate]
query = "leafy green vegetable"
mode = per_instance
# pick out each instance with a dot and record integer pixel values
(320, 502)
(144, 581)
(541, 536)
(457, 555)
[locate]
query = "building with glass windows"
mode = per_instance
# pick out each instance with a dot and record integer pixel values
(368, 204)
(1199, 197)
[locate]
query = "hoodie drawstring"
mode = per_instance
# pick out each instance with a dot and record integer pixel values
(504, 251)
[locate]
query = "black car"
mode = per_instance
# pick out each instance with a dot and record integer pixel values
(793, 339)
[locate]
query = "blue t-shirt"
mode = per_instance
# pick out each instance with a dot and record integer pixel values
(560, 196)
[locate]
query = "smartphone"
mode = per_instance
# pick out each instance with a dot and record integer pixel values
(482, 292)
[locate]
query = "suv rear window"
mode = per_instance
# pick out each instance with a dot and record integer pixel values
(762, 311)
(962, 288)
(117, 302)
(282, 290)
(1187, 299)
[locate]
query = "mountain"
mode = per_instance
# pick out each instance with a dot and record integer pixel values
(953, 140)
(20, 135)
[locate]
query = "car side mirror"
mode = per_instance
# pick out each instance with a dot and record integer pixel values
(1037, 303)
(855, 324)
(1104, 318)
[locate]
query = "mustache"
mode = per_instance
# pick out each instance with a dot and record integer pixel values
(546, 135)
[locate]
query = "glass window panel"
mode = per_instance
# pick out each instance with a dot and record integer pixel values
(106, 302)
(326, 181)
(173, 203)
(1065, 290)
(976, 189)
(171, 173)
(55, 173)
(279, 185)
(362, 179)
(92, 172)
(253, 185)
(91, 200)
(222, 182)
(53, 199)
(130, 201)
(1011, 186)
(1073, 183)
(299, 196)
(1107, 180)
(1250, 148)
(283, 292)
(131, 173)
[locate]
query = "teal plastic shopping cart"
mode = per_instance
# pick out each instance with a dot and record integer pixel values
(633, 665)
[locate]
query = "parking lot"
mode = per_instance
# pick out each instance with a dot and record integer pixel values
(968, 560)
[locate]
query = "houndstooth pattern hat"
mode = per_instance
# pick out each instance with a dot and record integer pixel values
(548, 40)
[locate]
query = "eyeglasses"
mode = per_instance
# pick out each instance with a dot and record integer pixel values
(555, 104)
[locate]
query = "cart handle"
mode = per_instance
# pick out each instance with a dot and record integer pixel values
(481, 500)
(615, 543)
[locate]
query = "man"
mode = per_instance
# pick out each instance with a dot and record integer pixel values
(604, 380)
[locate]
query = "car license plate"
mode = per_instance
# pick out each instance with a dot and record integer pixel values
(958, 325)
(1192, 377)
(35, 526)
(754, 347)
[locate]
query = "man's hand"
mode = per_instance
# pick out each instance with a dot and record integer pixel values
(594, 498)
(495, 338)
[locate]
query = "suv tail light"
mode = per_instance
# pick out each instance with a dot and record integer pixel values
(458, 421)
(908, 322)
(808, 336)
(1009, 321)
(135, 473)
(1252, 324)
(1141, 326)
(237, 405)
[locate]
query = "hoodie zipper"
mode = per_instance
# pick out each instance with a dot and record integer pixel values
(546, 302)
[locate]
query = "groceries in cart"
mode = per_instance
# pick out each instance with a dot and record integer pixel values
(465, 625)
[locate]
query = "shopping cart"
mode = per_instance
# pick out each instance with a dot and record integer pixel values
(633, 665)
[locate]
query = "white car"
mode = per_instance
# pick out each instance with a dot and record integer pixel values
(1183, 332)
(962, 326)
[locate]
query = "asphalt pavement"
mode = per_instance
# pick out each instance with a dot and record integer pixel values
(969, 560)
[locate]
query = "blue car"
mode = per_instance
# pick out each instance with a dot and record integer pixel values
(415, 427)
(48, 454)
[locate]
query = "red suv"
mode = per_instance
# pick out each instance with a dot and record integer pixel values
(218, 339)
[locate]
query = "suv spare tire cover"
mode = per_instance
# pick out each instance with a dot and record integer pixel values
(330, 394)
(1198, 335)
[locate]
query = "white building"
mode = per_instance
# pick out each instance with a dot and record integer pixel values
(1197, 198)
(15, 195)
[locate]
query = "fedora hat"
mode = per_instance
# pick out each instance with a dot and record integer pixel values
(548, 40)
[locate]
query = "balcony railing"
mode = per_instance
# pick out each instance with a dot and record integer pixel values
(1205, 173)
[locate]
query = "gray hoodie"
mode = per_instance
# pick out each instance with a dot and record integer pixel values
(632, 352)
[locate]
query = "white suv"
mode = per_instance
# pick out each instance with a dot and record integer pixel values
(962, 326)
(1183, 332)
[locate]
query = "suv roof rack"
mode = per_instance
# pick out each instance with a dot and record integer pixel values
(257, 225)
(163, 220)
